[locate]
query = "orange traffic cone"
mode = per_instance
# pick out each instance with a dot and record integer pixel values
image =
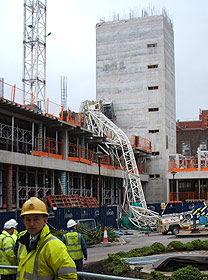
(105, 236)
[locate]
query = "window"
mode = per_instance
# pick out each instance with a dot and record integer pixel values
(152, 45)
(152, 66)
(155, 153)
(153, 130)
(153, 88)
(185, 148)
(153, 109)
(154, 176)
(203, 145)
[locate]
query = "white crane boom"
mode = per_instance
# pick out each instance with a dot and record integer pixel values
(100, 125)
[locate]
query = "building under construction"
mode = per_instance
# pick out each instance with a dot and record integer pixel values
(48, 151)
(54, 156)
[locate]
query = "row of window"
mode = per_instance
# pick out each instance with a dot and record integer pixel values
(154, 176)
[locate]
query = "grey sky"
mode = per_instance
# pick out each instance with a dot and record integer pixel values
(71, 47)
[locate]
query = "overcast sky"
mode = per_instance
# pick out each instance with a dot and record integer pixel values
(71, 47)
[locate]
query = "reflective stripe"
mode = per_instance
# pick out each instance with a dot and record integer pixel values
(18, 273)
(71, 251)
(20, 251)
(29, 276)
(74, 244)
(66, 270)
(35, 269)
(6, 249)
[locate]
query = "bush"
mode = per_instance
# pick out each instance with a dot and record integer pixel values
(158, 247)
(58, 233)
(176, 245)
(116, 265)
(188, 246)
(95, 237)
(158, 275)
(186, 273)
(197, 244)
(205, 244)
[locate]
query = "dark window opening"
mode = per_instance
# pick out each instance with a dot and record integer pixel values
(153, 130)
(152, 45)
(152, 66)
(155, 153)
(153, 109)
(153, 87)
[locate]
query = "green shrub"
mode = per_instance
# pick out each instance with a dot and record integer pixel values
(205, 244)
(176, 245)
(188, 246)
(197, 244)
(95, 237)
(116, 265)
(58, 233)
(158, 275)
(186, 273)
(158, 247)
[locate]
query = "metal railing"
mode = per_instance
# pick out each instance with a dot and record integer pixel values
(85, 274)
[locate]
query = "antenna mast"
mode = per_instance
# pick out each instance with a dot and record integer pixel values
(34, 61)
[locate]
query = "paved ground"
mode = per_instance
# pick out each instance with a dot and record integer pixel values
(128, 242)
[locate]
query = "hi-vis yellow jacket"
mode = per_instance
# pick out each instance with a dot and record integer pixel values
(48, 261)
(73, 245)
(7, 256)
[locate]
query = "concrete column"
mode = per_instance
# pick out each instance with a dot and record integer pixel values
(177, 194)
(36, 181)
(63, 181)
(52, 182)
(9, 188)
(56, 142)
(17, 187)
(91, 185)
(26, 183)
(12, 134)
(40, 136)
(82, 143)
(33, 135)
(17, 139)
(66, 143)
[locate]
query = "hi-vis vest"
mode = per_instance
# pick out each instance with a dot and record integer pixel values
(48, 261)
(7, 256)
(73, 244)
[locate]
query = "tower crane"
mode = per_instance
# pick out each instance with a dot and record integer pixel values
(119, 145)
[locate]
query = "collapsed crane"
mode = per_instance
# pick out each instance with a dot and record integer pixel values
(119, 145)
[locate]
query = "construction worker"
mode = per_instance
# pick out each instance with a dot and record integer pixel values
(40, 254)
(7, 256)
(15, 232)
(76, 245)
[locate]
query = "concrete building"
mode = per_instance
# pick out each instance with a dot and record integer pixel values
(135, 70)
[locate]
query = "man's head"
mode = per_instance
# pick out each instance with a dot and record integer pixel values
(10, 225)
(71, 223)
(34, 215)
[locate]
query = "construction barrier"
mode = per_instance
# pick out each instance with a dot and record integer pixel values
(58, 218)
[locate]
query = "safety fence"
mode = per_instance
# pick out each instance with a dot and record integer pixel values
(188, 164)
(140, 142)
(187, 196)
(58, 218)
(85, 274)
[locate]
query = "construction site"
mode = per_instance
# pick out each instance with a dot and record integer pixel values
(125, 149)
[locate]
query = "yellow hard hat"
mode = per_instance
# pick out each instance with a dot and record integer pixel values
(34, 206)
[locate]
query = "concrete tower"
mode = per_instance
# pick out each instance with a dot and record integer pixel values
(135, 69)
